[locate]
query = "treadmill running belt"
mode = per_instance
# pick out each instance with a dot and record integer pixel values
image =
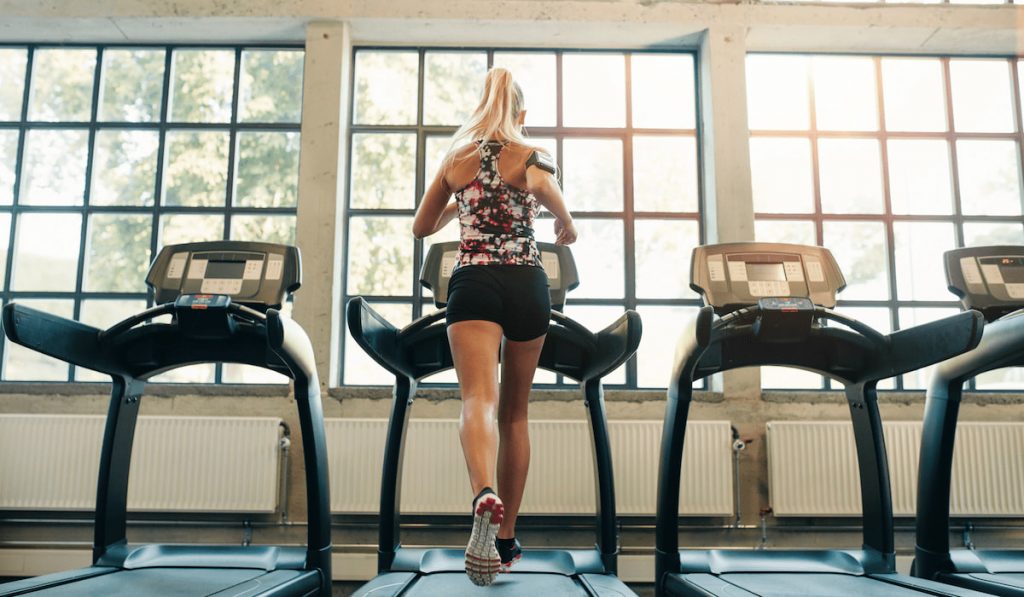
(820, 585)
(457, 583)
(1009, 579)
(166, 582)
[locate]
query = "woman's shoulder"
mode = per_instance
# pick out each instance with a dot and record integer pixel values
(525, 150)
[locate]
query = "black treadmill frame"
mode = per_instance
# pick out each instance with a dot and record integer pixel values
(852, 358)
(142, 352)
(1002, 345)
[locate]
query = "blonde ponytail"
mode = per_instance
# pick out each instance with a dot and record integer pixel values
(495, 116)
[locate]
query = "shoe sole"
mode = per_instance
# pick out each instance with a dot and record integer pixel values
(482, 561)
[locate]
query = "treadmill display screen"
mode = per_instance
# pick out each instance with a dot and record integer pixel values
(1012, 269)
(225, 270)
(766, 272)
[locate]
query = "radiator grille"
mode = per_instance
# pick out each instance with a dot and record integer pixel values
(813, 468)
(179, 464)
(561, 479)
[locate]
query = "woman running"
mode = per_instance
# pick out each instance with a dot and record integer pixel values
(498, 302)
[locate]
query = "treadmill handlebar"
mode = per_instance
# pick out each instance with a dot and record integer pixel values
(889, 355)
(1001, 345)
(380, 339)
(65, 339)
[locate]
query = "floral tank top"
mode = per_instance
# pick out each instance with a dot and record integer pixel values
(495, 218)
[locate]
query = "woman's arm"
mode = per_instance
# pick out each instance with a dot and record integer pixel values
(434, 211)
(544, 187)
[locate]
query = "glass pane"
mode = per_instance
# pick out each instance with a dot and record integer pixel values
(383, 171)
(663, 327)
(918, 380)
(268, 229)
(202, 82)
(452, 86)
(663, 249)
(117, 252)
(267, 171)
(25, 364)
(989, 177)
(1009, 378)
(594, 90)
(132, 85)
(845, 94)
(54, 169)
(196, 168)
(8, 163)
(599, 257)
(437, 147)
(12, 82)
(665, 174)
(981, 95)
(980, 234)
(919, 178)
(859, 247)
(777, 92)
(5, 243)
(270, 86)
(790, 378)
(387, 87)
(124, 167)
(596, 318)
(663, 91)
(535, 73)
(203, 373)
(360, 369)
(103, 313)
(798, 232)
(46, 252)
(380, 256)
(781, 175)
(592, 180)
(915, 96)
(850, 173)
(919, 249)
(188, 228)
(62, 84)
(235, 373)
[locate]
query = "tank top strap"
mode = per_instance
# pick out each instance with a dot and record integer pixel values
(489, 155)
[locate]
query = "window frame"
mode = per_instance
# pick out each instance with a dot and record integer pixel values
(887, 218)
(162, 125)
(559, 132)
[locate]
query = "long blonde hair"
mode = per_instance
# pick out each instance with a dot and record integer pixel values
(495, 116)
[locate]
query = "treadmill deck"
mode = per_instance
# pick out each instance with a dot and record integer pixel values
(184, 582)
(781, 584)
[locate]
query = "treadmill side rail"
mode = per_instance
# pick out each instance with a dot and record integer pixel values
(38, 583)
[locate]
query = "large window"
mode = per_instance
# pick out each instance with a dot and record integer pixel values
(622, 127)
(888, 162)
(108, 153)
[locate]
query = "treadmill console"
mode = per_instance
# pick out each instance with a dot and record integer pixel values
(258, 275)
(731, 276)
(987, 279)
(557, 260)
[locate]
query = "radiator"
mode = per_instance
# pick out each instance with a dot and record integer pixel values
(561, 479)
(179, 464)
(812, 468)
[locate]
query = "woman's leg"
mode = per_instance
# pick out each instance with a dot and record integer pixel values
(475, 345)
(519, 363)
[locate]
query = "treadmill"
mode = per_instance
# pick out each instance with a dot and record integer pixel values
(224, 300)
(989, 280)
(421, 349)
(768, 304)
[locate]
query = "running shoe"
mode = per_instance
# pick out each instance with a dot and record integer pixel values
(482, 560)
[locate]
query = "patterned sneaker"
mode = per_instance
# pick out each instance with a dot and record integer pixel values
(509, 551)
(482, 561)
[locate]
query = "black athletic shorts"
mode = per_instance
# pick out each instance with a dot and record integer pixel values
(513, 296)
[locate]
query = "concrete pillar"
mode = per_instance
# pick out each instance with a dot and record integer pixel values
(728, 208)
(323, 171)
